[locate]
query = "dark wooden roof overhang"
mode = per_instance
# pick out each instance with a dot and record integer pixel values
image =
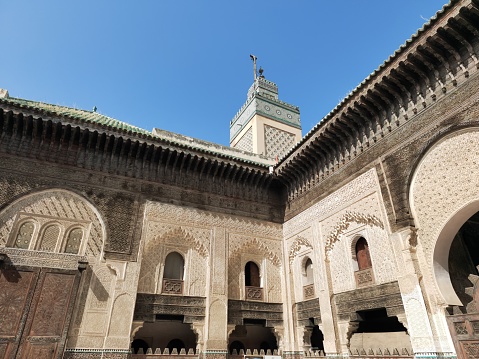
(149, 159)
(442, 53)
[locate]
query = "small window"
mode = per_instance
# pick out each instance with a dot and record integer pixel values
(362, 254)
(74, 241)
(50, 238)
(174, 266)
(308, 272)
(24, 235)
(251, 273)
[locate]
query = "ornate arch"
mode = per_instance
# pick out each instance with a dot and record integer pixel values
(56, 205)
(179, 233)
(153, 254)
(296, 246)
(344, 223)
(255, 245)
(443, 195)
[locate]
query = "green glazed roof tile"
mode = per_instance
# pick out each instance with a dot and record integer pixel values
(97, 119)
(76, 114)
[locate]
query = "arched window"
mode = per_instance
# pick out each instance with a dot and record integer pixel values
(251, 275)
(308, 281)
(49, 238)
(174, 266)
(362, 254)
(74, 241)
(173, 274)
(24, 235)
(308, 272)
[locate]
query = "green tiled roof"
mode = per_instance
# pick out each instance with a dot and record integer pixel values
(98, 120)
(91, 117)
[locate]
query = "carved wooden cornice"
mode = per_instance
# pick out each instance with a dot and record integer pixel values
(136, 157)
(437, 59)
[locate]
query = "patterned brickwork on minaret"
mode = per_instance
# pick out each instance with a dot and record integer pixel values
(264, 124)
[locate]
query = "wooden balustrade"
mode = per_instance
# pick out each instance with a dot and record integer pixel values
(254, 293)
(308, 291)
(172, 286)
(364, 277)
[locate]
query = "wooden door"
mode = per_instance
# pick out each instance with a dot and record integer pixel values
(36, 306)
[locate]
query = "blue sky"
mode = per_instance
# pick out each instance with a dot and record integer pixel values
(184, 66)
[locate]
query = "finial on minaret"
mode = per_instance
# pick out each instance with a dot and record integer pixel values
(254, 58)
(261, 72)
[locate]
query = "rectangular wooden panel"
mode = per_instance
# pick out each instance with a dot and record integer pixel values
(37, 351)
(51, 310)
(16, 291)
(14, 288)
(49, 316)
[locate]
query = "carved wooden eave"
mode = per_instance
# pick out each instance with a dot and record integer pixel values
(437, 59)
(64, 141)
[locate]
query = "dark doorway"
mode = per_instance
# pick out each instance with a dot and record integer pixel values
(464, 257)
(317, 339)
(377, 321)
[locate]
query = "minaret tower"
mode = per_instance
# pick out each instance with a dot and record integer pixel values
(265, 125)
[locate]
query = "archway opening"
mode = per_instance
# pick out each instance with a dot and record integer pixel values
(308, 272)
(176, 344)
(317, 339)
(138, 344)
(236, 347)
(457, 235)
(375, 329)
(174, 266)
(166, 332)
(463, 258)
(252, 335)
(173, 274)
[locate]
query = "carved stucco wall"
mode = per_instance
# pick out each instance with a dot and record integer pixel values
(106, 303)
(364, 223)
(329, 227)
(354, 209)
(266, 253)
(299, 248)
(444, 184)
(56, 206)
(164, 237)
(359, 187)
(192, 229)
(107, 287)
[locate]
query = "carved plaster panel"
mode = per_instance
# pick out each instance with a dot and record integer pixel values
(270, 249)
(176, 214)
(162, 238)
(445, 181)
(357, 188)
(296, 245)
(266, 253)
(362, 218)
(55, 206)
